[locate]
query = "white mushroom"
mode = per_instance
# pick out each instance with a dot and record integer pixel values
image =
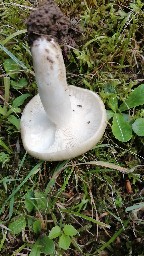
(62, 121)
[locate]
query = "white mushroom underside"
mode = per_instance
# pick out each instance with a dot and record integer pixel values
(42, 139)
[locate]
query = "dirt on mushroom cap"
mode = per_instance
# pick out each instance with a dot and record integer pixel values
(48, 20)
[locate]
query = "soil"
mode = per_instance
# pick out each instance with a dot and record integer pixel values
(48, 20)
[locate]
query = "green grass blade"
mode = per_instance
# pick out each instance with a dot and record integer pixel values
(11, 207)
(15, 59)
(22, 162)
(19, 250)
(19, 32)
(7, 89)
(3, 240)
(113, 238)
(86, 218)
(63, 186)
(32, 172)
(4, 146)
(58, 169)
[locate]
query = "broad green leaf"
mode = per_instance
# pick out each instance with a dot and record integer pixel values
(47, 245)
(64, 242)
(3, 111)
(41, 200)
(15, 121)
(69, 230)
(113, 102)
(138, 126)
(135, 98)
(37, 226)
(13, 110)
(29, 201)
(35, 250)
(127, 117)
(11, 68)
(121, 129)
(109, 88)
(19, 84)
(55, 232)
(20, 100)
(18, 225)
(110, 114)
(30, 222)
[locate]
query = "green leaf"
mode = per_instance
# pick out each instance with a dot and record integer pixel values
(20, 100)
(47, 245)
(113, 238)
(4, 158)
(41, 200)
(4, 146)
(32, 172)
(11, 207)
(19, 84)
(13, 110)
(35, 250)
(85, 217)
(113, 102)
(135, 7)
(7, 89)
(69, 230)
(64, 242)
(14, 58)
(37, 226)
(55, 232)
(121, 129)
(11, 68)
(135, 207)
(3, 240)
(15, 121)
(18, 225)
(19, 32)
(29, 201)
(110, 114)
(138, 126)
(135, 98)
(2, 111)
(30, 222)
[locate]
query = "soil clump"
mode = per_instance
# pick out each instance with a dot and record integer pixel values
(48, 20)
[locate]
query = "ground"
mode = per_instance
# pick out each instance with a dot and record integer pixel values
(93, 204)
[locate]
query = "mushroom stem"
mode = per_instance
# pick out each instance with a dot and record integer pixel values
(50, 76)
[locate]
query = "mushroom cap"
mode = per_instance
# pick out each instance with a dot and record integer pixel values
(44, 140)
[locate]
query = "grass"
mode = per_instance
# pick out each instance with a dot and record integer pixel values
(100, 194)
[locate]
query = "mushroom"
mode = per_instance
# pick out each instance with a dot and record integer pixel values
(62, 121)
